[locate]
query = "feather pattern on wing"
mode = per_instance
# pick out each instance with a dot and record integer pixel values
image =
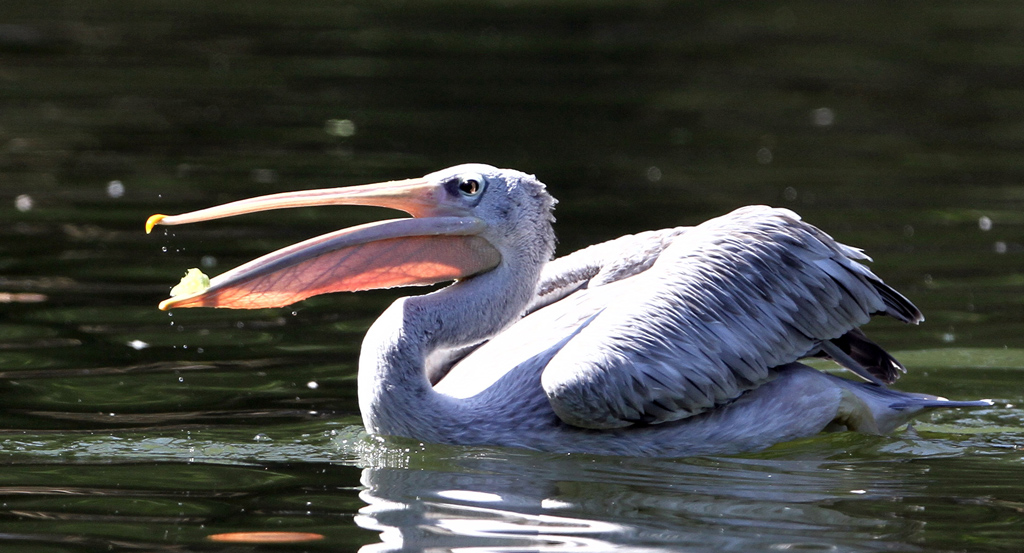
(601, 264)
(593, 266)
(723, 303)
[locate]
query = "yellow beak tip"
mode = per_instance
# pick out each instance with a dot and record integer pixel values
(153, 221)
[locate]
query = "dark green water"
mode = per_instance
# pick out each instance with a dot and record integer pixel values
(895, 126)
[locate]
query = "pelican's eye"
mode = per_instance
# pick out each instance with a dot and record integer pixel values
(471, 185)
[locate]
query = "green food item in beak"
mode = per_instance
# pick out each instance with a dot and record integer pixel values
(193, 282)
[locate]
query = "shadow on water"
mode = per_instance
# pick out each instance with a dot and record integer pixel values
(894, 126)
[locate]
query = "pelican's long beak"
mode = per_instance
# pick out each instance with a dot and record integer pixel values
(417, 197)
(440, 243)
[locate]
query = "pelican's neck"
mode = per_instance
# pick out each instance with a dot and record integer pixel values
(395, 396)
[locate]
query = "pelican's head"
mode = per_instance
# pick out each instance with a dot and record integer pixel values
(467, 220)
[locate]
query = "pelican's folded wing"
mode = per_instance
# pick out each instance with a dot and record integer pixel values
(724, 303)
(601, 264)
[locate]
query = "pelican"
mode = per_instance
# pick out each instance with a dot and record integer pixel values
(674, 342)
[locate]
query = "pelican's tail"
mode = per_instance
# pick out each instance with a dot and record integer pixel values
(876, 410)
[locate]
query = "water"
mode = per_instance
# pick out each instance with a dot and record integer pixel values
(895, 126)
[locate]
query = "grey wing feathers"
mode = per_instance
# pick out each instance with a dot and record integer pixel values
(601, 264)
(592, 266)
(724, 303)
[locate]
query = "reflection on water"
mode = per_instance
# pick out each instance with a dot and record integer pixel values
(458, 518)
(498, 500)
(840, 491)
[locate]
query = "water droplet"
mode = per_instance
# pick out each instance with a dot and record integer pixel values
(163, 249)
(999, 247)
(343, 128)
(789, 193)
(23, 203)
(984, 223)
(764, 156)
(823, 117)
(312, 385)
(653, 174)
(115, 189)
(208, 262)
(138, 345)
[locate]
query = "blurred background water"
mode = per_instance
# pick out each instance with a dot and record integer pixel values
(895, 126)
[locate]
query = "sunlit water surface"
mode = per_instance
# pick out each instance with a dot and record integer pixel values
(895, 126)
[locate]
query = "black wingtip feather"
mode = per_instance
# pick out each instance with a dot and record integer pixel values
(870, 355)
(897, 305)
